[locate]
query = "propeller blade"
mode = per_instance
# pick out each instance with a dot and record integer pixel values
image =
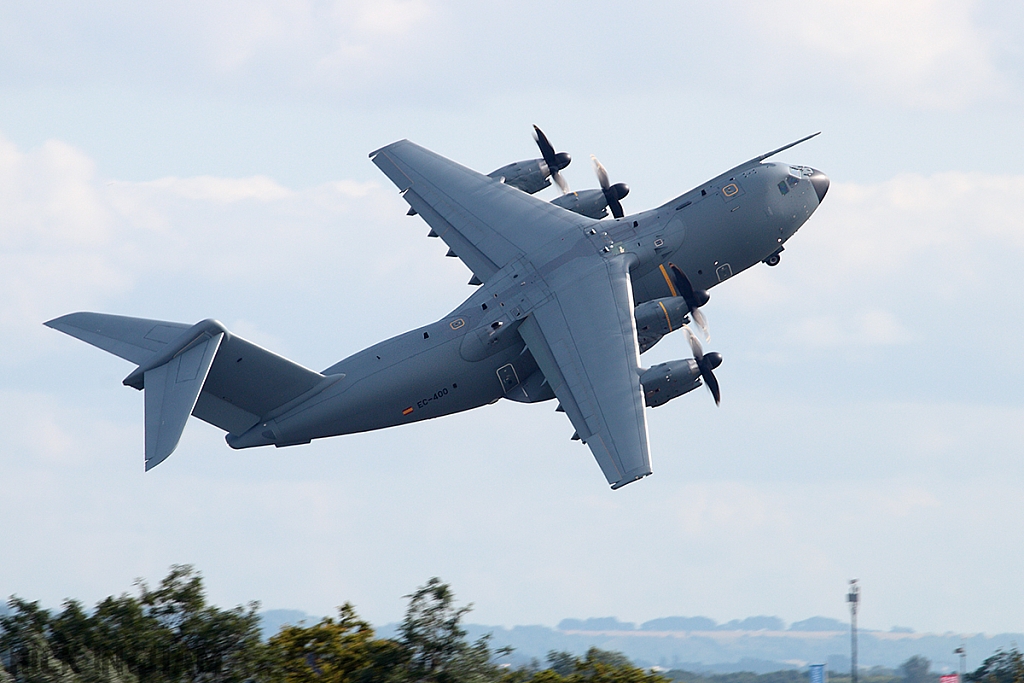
(698, 352)
(695, 298)
(560, 181)
(712, 384)
(702, 322)
(706, 364)
(611, 194)
(602, 174)
(546, 149)
(553, 162)
(615, 206)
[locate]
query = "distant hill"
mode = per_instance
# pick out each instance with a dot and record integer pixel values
(677, 624)
(822, 624)
(595, 624)
(726, 649)
(272, 620)
(700, 644)
(761, 623)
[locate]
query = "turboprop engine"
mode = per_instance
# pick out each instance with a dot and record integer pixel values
(658, 317)
(589, 203)
(595, 203)
(666, 381)
(532, 175)
(529, 176)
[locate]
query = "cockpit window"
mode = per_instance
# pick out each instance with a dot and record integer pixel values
(796, 174)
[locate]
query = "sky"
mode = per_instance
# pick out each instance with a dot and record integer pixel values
(188, 160)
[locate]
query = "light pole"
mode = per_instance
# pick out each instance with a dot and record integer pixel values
(963, 661)
(853, 597)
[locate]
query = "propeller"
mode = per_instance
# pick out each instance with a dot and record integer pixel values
(706, 364)
(612, 193)
(554, 162)
(695, 298)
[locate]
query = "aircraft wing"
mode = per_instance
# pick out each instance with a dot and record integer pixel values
(584, 341)
(486, 223)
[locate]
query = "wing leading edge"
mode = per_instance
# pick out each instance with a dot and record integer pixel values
(584, 341)
(486, 223)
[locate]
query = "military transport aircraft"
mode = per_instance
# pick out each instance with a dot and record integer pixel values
(565, 307)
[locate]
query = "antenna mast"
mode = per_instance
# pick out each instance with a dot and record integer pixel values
(853, 597)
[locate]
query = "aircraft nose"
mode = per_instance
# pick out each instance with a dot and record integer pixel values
(820, 182)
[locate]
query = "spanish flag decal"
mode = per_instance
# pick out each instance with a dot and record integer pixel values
(407, 410)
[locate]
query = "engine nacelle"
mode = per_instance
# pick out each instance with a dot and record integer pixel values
(656, 318)
(666, 381)
(529, 176)
(589, 203)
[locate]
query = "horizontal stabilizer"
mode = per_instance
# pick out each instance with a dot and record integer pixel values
(171, 393)
(134, 339)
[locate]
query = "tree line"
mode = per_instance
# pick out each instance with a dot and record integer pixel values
(170, 634)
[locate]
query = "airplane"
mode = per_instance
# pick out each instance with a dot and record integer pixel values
(564, 307)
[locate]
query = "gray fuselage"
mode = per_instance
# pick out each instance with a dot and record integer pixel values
(474, 355)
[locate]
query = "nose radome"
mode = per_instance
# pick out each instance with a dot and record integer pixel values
(820, 182)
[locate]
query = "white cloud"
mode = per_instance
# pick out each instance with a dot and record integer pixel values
(922, 53)
(902, 262)
(305, 42)
(222, 190)
(958, 226)
(48, 198)
(234, 248)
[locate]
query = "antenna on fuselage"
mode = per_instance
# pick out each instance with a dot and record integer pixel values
(785, 147)
(759, 159)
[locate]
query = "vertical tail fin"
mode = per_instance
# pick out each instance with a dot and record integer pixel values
(200, 370)
(172, 390)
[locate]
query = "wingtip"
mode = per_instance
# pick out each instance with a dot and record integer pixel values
(52, 324)
(381, 149)
(628, 480)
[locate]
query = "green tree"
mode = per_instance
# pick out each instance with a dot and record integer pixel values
(435, 642)
(342, 650)
(596, 666)
(164, 635)
(23, 644)
(40, 648)
(1005, 666)
(917, 669)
